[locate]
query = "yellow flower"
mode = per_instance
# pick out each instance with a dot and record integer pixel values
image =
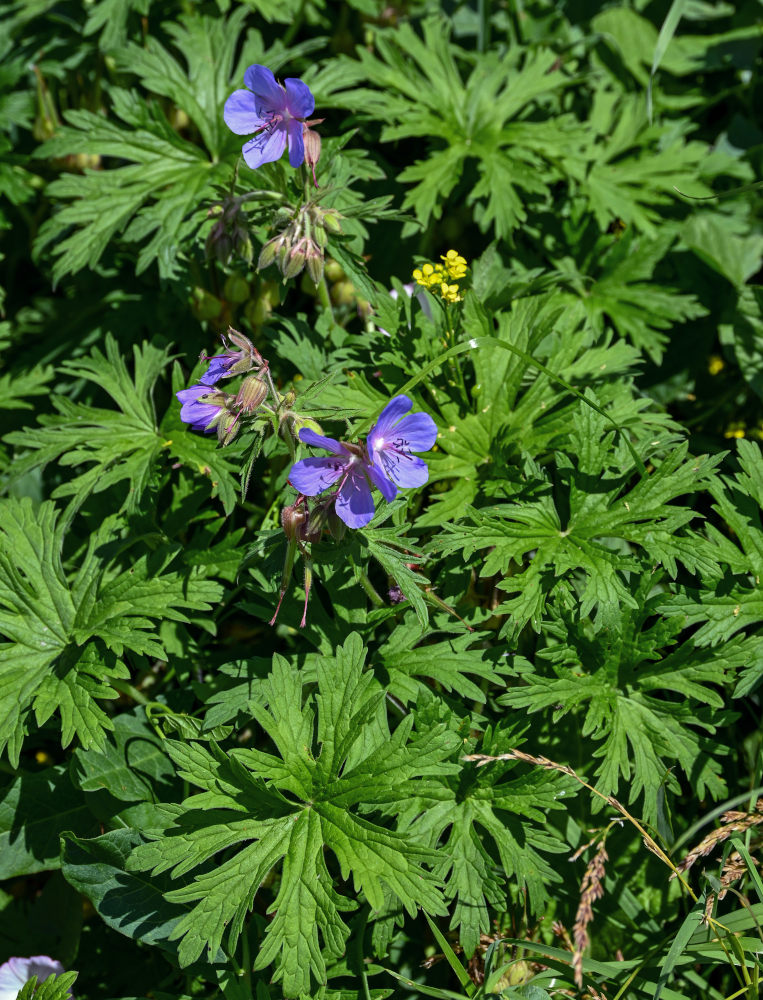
(735, 430)
(442, 279)
(716, 364)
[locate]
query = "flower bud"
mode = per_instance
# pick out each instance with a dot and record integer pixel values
(268, 252)
(293, 519)
(312, 142)
(331, 221)
(315, 262)
(227, 427)
(336, 525)
(299, 423)
(295, 262)
(236, 289)
(252, 392)
(218, 243)
(282, 218)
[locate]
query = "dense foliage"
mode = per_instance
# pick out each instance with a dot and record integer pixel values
(494, 728)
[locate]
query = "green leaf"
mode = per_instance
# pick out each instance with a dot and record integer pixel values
(35, 808)
(115, 445)
(488, 804)
(127, 902)
(329, 765)
(718, 240)
(677, 946)
(132, 768)
(571, 527)
(67, 636)
(646, 704)
(53, 988)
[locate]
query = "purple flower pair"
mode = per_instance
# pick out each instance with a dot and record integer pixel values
(386, 462)
(274, 112)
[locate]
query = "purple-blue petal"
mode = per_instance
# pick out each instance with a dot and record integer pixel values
(396, 408)
(218, 368)
(385, 486)
(194, 411)
(416, 432)
(406, 470)
(312, 476)
(260, 80)
(300, 102)
(240, 113)
(296, 143)
(265, 147)
(354, 503)
(308, 436)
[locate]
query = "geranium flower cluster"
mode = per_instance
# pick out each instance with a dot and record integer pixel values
(442, 279)
(386, 461)
(209, 410)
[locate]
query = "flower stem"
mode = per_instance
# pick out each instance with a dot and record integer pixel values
(324, 298)
(365, 583)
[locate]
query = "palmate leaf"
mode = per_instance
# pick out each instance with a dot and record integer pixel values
(121, 445)
(293, 806)
(162, 191)
(117, 445)
(159, 195)
(491, 825)
(577, 521)
(485, 118)
(634, 167)
(521, 410)
(164, 188)
(732, 601)
(451, 663)
(643, 697)
(624, 295)
(66, 637)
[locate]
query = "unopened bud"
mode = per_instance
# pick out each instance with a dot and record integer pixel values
(300, 423)
(320, 235)
(331, 222)
(268, 253)
(227, 427)
(295, 262)
(252, 392)
(282, 218)
(315, 263)
(219, 243)
(292, 520)
(312, 142)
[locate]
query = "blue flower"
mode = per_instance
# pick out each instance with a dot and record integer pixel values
(386, 462)
(219, 367)
(201, 407)
(272, 111)
(232, 361)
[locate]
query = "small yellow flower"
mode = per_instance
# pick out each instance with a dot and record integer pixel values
(442, 279)
(716, 364)
(735, 430)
